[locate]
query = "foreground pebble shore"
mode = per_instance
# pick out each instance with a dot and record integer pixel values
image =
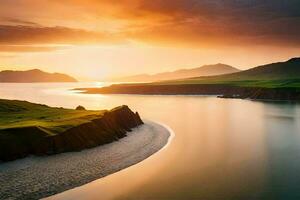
(38, 177)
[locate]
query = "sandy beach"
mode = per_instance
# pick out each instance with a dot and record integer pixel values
(38, 177)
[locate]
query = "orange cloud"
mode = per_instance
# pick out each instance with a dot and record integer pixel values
(29, 48)
(38, 38)
(172, 22)
(21, 35)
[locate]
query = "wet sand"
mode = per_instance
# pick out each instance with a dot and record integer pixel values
(38, 177)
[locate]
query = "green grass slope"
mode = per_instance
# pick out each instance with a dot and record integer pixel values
(17, 114)
(275, 75)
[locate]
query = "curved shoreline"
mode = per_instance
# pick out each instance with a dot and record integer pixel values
(69, 170)
(68, 194)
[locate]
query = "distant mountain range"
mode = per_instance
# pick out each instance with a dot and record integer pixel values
(32, 76)
(206, 70)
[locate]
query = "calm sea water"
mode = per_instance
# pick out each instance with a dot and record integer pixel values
(223, 148)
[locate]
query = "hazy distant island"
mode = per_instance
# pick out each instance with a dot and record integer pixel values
(276, 81)
(205, 70)
(33, 76)
(88, 145)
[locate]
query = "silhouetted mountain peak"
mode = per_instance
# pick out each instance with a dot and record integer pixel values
(35, 70)
(205, 70)
(297, 59)
(33, 75)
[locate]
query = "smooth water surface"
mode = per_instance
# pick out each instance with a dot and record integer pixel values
(223, 148)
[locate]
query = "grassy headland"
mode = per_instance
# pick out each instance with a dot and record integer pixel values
(17, 114)
(27, 128)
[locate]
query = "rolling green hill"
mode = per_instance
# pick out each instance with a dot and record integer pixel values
(275, 71)
(281, 74)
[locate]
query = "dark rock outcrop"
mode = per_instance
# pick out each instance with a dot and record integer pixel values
(109, 127)
(80, 108)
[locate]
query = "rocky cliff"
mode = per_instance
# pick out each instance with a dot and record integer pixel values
(35, 140)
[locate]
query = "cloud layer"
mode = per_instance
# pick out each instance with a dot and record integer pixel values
(196, 23)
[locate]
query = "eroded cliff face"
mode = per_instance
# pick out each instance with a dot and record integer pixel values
(110, 127)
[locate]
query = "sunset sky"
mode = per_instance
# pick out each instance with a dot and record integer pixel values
(96, 39)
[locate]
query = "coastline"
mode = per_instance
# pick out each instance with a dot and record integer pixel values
(68, 170)
(69, 194)
(222, 91)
